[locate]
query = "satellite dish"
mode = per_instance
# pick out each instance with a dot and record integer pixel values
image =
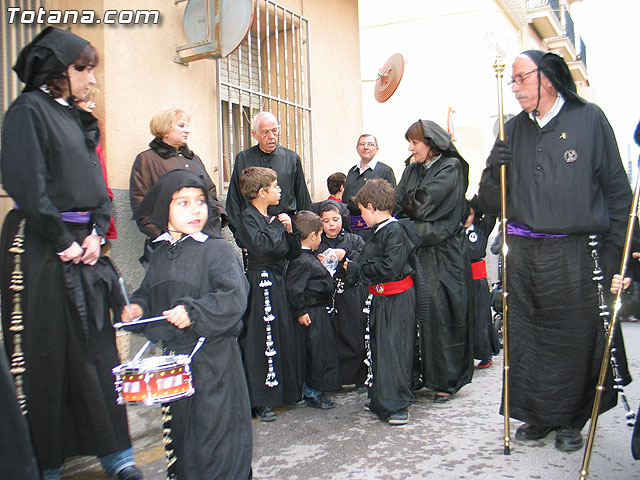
(389, 78)
(216, 32)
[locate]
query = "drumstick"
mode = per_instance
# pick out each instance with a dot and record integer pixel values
(138, 322)
(124, 291)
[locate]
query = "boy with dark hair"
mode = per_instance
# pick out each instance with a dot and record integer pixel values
(349, 321)
(335, 185)
(384, 266)
(197, 282)
(309, 287)
(268, 339)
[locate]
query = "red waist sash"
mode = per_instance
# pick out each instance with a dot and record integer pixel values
(392, 288)
(479, 269)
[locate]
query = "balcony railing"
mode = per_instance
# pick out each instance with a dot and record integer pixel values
(568, 28)
(582, 53)
(553, 4)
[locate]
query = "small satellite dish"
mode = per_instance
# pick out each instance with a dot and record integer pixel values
(216, 32)
(389, 78)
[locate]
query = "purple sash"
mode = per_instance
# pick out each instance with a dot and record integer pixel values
(520, 229)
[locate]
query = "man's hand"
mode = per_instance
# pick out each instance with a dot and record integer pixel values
(500, 155)
(91, 246)
(131, 312)
(304, 320)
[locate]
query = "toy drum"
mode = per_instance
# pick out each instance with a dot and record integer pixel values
(152, 380)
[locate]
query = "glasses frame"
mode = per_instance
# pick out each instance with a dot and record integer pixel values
(519, 79)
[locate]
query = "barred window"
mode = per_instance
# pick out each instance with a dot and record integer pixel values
(269, 71)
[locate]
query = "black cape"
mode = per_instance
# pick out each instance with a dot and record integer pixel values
(348, 320)
(269, 246)
(309, 290)
(392, 323)
(211, 430)
(433, 198)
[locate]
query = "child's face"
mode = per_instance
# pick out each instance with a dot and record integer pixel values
(188, 212)
(272, 194)
(331, 223)
(368, 214)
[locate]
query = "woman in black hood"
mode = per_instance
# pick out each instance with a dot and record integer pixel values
(57, 291)
(431, 193)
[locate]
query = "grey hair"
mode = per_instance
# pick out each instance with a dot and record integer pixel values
(255, 123)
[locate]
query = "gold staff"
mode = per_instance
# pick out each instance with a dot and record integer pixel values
(498, 66)
(606, 357)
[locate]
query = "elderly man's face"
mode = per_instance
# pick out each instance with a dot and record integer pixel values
(267, 134)
(527, 92)
(367, 148)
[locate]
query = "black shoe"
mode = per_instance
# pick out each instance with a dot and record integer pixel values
(298, 403)
(319, 401)
(130, 473)
(401, 417)
(441, 397)
(569, 439)
(367, 407)
(527, 431)
(265, 414)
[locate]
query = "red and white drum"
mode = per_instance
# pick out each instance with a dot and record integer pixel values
(152, 380)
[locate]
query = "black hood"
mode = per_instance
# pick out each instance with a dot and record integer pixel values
(556, 70)
(156, 202)
(438, 137)
(48, 56)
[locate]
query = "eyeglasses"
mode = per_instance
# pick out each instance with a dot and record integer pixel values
(518, 79)
(367, 144)
(266, 133)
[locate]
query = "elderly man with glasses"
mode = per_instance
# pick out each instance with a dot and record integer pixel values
(568, 198)
(270, 154)
(367, 169)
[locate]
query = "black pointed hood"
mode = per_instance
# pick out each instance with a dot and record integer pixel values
(48, 56)
(557, 71)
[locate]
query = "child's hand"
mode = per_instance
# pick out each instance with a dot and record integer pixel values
(304, 320)
(321, 257)
(615, 283)
(131, 312)
(286, 221)
(346, 263)
(178, 316)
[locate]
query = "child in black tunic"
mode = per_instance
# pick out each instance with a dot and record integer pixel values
(309, 288)
(268, 339)
(478, 227)
(197, 282)
(348, 320)
(384, 266)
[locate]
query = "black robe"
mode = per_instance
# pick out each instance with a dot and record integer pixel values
(49, 165)
(348, 320)
(433, 198)
(392, 323)
(211, 430)
(565, 178)
(485, 338)
(268, 245)
(309, 289)
(287, 165)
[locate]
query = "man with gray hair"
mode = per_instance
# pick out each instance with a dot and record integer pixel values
(268, 153)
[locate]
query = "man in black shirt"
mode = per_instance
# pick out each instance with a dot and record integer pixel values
(365, 170)
(567, 190)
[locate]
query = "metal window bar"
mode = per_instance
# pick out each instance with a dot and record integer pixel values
(267, 72)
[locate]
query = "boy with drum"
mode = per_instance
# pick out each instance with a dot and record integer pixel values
(197, 282)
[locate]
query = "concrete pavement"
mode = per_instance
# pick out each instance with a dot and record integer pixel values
(458, 440)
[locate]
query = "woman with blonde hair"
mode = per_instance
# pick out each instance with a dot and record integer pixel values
(169, 151)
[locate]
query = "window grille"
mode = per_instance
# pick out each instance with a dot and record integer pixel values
(269, 71)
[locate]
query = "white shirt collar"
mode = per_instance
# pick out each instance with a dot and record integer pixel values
(551, 114)
(60, 100)
(371, 165)
(386, 222)
(166, 237)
